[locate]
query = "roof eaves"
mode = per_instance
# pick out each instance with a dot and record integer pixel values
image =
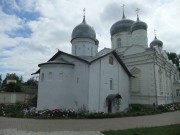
(122, 63)
(61, 52)
(56, 63)
(101, 57)
(37, 72)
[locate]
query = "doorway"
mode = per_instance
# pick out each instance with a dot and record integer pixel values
(109, 106)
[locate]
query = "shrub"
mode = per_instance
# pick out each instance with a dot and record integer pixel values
(27, 111)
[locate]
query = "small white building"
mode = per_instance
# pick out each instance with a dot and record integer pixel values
(11, 81)
(108, 81)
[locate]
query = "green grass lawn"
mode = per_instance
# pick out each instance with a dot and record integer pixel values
(163, 130)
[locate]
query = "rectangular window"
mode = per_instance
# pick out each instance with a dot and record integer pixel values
(111, 84)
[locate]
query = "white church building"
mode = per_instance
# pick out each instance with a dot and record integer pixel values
(130, 72)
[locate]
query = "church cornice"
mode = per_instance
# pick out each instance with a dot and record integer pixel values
(139, 58)
(163, 62)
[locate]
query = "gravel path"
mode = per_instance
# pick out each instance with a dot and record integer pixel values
(81, 126)
(17, 132)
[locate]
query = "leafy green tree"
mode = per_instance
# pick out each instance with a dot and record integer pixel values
(12, 87)
(31, 82)
(0, 81)
(175, 59)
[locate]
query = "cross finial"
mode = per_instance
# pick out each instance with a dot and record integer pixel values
(137, 10)
(155, 33)
(123, 17)
(84, 11)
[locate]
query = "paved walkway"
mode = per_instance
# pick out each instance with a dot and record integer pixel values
(91, 125)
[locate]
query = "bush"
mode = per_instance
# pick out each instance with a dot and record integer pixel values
(33, 101)
(27, 111)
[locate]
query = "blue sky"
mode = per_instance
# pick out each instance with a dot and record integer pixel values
(31, 30)
(15, 8)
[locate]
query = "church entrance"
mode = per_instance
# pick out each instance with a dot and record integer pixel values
(109, 106)
(113, 102)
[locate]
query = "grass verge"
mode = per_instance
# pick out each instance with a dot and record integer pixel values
(162, 130)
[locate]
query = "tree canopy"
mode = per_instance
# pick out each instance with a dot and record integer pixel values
(31, 82)
(12, 86)
(175, 59)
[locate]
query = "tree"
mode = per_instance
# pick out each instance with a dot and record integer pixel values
(0, 81)
(175, 59)
(12, 86)
(31, 82)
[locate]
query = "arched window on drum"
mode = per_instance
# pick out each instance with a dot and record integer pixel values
(118, 43)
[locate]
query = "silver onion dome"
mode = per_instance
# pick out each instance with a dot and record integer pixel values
(139, 25)
(83, 30)
(156, 42)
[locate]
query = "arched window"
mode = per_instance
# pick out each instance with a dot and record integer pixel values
(118, 43)
(61, 76)
(75, 50)
(178, 92)
(42, 77)
(91, 51)
(50, 76)
(111, 60)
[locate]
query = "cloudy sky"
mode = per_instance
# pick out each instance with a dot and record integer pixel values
(32, 30)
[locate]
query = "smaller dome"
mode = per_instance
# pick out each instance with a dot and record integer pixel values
(83, 30)
(156, 42)
(139, 25)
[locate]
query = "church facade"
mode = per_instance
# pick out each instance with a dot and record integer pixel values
(129, 72)
(154, 74)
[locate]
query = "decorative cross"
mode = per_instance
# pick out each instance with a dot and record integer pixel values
(123, 7)
(155, 32)
(137, 10)
(84, 11)
(123, 17)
